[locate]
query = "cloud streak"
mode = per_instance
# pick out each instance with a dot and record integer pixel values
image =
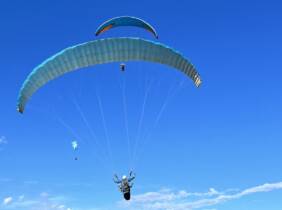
(183, 200)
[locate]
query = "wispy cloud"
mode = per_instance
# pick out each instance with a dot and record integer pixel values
(183, 200)
(42, 202)
(7, 200)
(167, 195)
(3, 140)
(164, 199)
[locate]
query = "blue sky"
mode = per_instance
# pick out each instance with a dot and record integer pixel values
(216, 147)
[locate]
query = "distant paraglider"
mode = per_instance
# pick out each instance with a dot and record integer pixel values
(74, 145)
(122, 67)
(125, 21)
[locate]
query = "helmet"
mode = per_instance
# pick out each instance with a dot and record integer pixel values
(124, 177)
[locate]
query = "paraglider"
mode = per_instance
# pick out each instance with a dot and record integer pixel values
(125, 21)
(101, 52)
(122, 67)
(125, 184)
(74, 145)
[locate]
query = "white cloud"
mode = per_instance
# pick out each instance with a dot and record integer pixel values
(3, 140)
(182, 200)
(7, 200)
(169, 195)
(43, 201)
(211, 192)
(162, 195)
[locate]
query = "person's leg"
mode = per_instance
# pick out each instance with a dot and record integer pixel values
(126, 196)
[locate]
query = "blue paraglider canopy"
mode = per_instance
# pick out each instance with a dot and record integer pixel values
(125, 21)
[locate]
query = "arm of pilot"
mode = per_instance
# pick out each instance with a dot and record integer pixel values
(131, 176)
(116, 179)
